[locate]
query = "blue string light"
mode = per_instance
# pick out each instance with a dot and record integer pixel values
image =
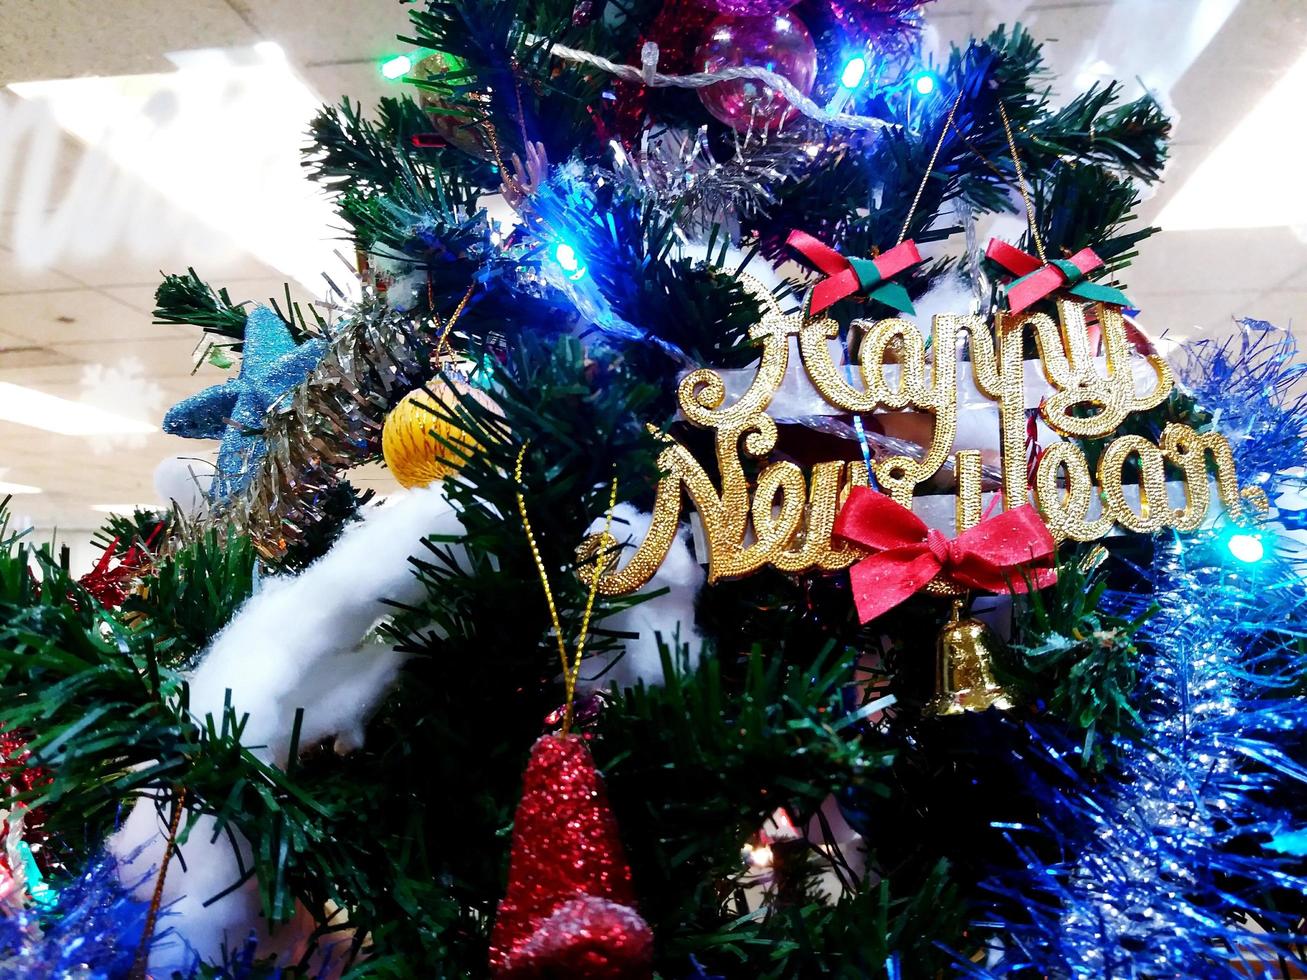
(925, 82)
(570, 262)
(855, 70)
(1248, 548)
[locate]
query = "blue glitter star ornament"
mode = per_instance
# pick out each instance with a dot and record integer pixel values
(234, 412)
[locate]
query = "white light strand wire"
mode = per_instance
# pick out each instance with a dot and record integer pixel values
(648, 74)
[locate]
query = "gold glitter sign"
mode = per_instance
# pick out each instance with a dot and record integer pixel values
(784, 517)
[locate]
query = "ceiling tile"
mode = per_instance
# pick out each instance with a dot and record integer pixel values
(359, 80)
(55, 379)
(330, 30)
(374, 476)
(1296, 281)
(18, 356)
(138, 262)
(40, 40)
(1285, 308)
(119, 233)
(1247, 259)
(1238, 67)
(20, 280)
(169, 361)
(81, 316)
(1190, 314)
(46, 167)
(240, 289)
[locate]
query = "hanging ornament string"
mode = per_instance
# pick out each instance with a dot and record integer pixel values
(572, 669)
(156, 900)
(648, 74)
(1021, 184)
(869, 277)
(442, 341)
(1034, 278)
(930, 168)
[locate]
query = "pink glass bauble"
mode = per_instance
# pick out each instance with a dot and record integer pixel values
(779, 43)
(750, 8)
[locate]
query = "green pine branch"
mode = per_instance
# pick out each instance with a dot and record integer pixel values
(189, 595)
(1077, 658)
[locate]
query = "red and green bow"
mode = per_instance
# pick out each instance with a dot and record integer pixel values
(1039, 279)
(847, 277)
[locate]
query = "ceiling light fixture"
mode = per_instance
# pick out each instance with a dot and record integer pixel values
(27, 406)
(165, 130)
(1258, 157)
(14, 489)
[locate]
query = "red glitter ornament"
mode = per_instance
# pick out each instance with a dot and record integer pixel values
(780, 43)
(570, 907)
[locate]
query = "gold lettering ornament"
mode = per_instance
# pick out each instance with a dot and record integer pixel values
(784, 518)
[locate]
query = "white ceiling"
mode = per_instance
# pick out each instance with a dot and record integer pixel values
(79, 294)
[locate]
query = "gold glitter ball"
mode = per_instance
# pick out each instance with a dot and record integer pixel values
(418, 440)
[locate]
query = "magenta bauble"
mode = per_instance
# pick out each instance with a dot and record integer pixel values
(778, 42)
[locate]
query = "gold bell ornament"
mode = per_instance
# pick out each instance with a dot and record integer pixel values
(964, 668)
(415, 439)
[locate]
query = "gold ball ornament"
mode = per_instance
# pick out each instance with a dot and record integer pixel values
(455, 125)
(416, 436)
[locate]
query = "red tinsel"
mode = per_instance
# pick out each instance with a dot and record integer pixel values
(110, 584)
(16, 776)
(569, 908)
(677, 30)
(875, 19)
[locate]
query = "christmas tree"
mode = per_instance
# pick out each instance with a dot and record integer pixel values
(790, 582)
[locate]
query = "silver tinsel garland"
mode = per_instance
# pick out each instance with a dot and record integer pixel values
(328, 424)
(677, 169)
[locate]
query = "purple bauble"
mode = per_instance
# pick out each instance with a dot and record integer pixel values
(750, 8)
(778, 42)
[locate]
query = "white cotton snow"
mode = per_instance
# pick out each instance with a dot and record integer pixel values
(668, 617)
(301, 642)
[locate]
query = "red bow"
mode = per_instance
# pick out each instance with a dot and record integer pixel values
(909, 554)
(845, 277)
(1039, 279)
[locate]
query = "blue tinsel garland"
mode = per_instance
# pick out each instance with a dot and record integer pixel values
(91, 932)
(1173, 862)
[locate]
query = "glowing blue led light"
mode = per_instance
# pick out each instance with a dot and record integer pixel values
(396, 67)
(566, 256)
(925, 82)
(1246, 547)
(855, 70)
